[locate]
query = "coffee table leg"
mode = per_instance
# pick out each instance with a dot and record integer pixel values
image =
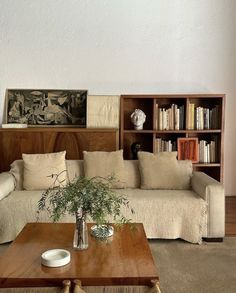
(66, 286)
(78, 288)
(155, 287)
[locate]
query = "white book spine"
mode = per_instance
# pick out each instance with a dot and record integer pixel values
(160, 116)
(207, 118)
(208, 153)
(167, 119)
(14, 125)
(176, 118)
(205, 152)
(164, 119)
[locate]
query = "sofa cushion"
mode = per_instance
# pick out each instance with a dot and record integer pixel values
(39, 168)
(75, 168)
(7, 184)
(164, 171)
(133, 179)
(105, 164)
(168, 214)
(17, 170)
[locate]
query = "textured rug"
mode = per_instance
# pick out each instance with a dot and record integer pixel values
(192, 268)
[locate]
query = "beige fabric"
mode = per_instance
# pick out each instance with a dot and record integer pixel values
(163, 171)
(17, 170)
(133, 179)
(213, 192)
(174, 214)
(75, 168)
(103, 111)
(105, 164)
(168, 214)
(38, 169)
(7, 184)
(20, 208)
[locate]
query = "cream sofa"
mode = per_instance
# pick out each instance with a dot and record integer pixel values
(170, 214)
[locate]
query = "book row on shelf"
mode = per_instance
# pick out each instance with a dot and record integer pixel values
(171, 118)
(199, 118)
(207, 149)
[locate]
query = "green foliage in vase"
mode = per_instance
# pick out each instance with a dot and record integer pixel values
(92, 197)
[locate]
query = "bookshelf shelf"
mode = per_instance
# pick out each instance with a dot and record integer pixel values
(206, 164)
(169, 117)
(204, 131)
(139, 131)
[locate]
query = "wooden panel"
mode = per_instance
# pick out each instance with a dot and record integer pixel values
(14, 142)
(230, 216)
(124, 260)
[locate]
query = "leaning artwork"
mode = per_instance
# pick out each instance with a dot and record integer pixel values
(46, 107)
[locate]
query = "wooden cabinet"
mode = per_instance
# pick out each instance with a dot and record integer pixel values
(14, 142)
(202, 117)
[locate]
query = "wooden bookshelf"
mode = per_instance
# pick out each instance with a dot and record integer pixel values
(150, 105)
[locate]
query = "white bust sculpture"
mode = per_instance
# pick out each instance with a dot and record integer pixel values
(138, 118)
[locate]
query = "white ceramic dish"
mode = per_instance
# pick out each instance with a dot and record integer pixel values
(55, 258)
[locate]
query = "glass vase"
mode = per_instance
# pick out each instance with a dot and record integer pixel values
(80, 241)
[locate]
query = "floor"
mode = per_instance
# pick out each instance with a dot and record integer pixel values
(230, 216)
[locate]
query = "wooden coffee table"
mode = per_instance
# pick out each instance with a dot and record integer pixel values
(125, 259)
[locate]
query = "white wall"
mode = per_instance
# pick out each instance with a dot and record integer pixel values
(123, 46)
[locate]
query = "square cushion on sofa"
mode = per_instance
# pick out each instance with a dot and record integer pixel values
(39, 168)
(164, 171)
(105, 164)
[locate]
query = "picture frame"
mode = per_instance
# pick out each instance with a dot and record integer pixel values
(188, 149)
(46, 107)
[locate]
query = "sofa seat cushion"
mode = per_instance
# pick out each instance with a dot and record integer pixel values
(169, 214)
(20, 208)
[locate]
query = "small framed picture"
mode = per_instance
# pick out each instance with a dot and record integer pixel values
(188, 149)
(42, 107)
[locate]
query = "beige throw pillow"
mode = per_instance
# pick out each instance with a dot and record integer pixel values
(105, 164)
(38, 169)
(164, 171)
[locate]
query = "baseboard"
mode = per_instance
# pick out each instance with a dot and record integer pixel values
(220, 239)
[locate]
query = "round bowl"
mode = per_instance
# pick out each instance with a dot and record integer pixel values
(55, 258)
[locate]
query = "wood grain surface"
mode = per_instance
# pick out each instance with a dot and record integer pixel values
(230, 216)
(14, 142)
(123, 260)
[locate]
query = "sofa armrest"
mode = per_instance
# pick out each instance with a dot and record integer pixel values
(7, 184)
(213, 192)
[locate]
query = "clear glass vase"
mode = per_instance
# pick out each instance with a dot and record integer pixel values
(81, 233)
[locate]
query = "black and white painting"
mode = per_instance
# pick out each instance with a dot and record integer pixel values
(47, 107)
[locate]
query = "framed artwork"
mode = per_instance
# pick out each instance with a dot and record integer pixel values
(46, 107)
(188, 149)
